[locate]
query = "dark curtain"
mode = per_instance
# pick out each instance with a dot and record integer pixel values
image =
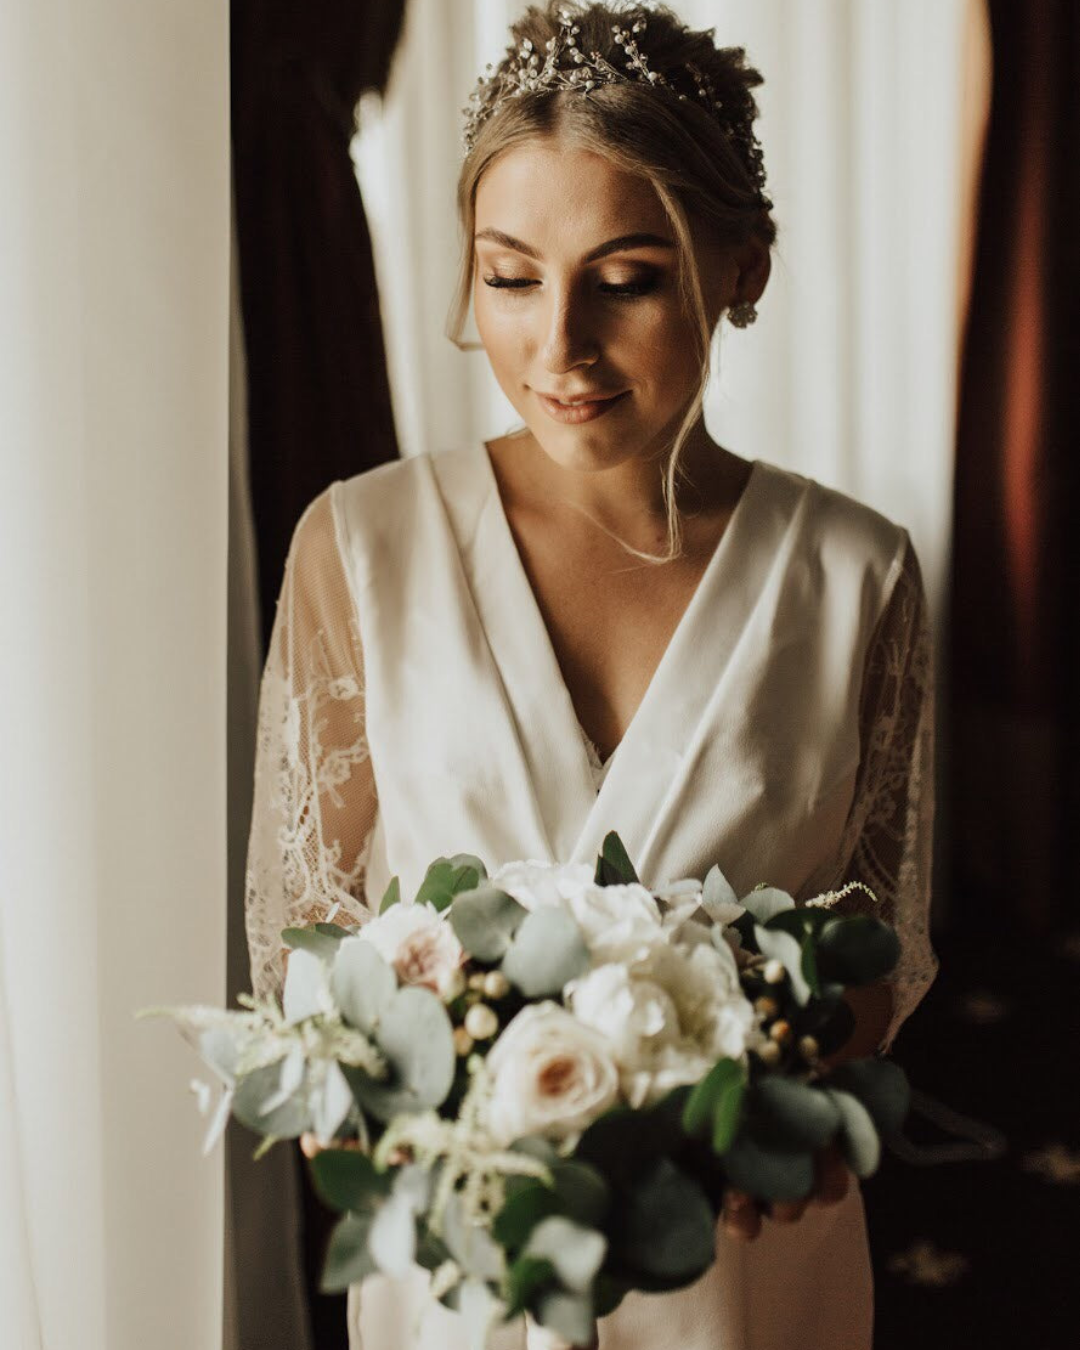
(318, 394)
(318, 409)
(1015, 794)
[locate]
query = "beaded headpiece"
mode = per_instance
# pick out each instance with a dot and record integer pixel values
(566, 66)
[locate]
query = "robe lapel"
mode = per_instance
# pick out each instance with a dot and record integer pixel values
(537, 711)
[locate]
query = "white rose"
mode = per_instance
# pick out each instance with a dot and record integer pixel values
(670, 1067)
(704, 982)
(619, 923)
(636, 1015)
(550, 1075)
(420, 945)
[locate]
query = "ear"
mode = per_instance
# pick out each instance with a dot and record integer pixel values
(754, 261)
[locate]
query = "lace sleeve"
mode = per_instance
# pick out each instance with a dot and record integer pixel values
(314, 801)
(889, 833)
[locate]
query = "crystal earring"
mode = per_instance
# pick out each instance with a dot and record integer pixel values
(743, 314)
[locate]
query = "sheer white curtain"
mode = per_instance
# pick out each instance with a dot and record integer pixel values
(114, 256)
(849, 374)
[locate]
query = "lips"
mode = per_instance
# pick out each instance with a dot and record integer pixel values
(582, 408)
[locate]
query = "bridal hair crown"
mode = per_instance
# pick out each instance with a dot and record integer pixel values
(565, 66)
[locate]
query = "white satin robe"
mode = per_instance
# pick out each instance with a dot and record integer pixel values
(784, 735)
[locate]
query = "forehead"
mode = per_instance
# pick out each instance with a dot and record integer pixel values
(558, 195)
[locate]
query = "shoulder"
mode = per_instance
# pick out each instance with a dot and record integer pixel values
(843, 532)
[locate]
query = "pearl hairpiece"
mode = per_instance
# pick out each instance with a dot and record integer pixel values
(566, 66)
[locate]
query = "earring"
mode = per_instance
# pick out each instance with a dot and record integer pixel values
(743, 314)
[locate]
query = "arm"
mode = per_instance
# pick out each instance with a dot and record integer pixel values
(890, 829)
(314, 802)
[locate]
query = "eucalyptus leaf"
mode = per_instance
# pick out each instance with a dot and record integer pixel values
(447, 877)
(485, 920)
(471, 1244)
(361, 983)
(613, 866)
(727, 1115)
(569, 1315)
(348, 1180)
(524, 1280)
(769, 1173)
(718, 897)
(858, 1136)
(306, 992)
(575, 1251)
(415, 1035)
(782, 947)
(290, 1076)
(391, 896)
(791, 1115)
(582, 1193)
(765, 902)
(703, 1100)
(547, 952)
(881, 1086)
(309, 940)
(347, 1256)
(521, 1212)
(334, 931)
(666, 1226)
(289, 1120)
(857, 950)
(219, 1048)
(392, 1239)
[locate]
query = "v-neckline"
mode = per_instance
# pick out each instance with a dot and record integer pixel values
(532, 605)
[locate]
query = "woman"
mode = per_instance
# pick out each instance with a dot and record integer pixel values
(606, 620)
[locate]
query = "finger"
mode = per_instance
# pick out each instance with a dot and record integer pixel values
(742, 1218)
(788, 1211)
(832, 1177)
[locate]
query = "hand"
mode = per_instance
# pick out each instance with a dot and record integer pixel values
(742, 1213)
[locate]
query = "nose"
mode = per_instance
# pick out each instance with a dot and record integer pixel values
(570, 337)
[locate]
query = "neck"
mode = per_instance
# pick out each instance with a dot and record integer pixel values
(628, 497)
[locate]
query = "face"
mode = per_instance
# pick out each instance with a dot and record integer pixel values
(576, 301)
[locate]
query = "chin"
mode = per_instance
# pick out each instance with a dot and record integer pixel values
(584, 453)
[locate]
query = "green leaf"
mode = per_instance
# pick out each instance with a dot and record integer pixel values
(569, 1315)
(485, 920)
(333, 930)
(858, 1136)
(347, 1180)
(391, 896)
(765, 902)
(575, 1251)
(547, 952)
(287, 1121)
(703, 1100)
(613, 866)
(521, 1212)
(415, 1035)
(782, 947)
(622, 1144)
(347, 1256)
(447, 877)
(524, 1280)
(666, 1226)
(881, 1086)
(790, 1115)
(717, 894)
(727, 1115)
(582, 1193)
(768, 1173)
(310, 940)
(361, 983)
(608, 1292)
(471, 1244)
(857, 950)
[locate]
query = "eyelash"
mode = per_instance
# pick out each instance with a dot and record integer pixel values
(629, 291)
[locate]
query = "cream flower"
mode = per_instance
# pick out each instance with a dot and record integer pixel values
(420, 945)
(550, 1075)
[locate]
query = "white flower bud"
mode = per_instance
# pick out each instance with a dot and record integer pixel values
(774, 971)
(481, 1022)
(496, 985)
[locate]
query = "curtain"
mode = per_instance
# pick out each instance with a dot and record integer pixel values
(114, 254)
(1015, 790)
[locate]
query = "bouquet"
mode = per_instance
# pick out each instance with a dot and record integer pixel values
(537, 1084)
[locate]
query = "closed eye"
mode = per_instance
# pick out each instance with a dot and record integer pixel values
(626, 290)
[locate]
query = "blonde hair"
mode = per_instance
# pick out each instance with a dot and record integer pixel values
(696, 167)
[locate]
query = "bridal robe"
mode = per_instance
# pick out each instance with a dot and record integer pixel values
(412, 705)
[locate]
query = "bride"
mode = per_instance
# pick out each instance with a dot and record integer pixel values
(605, 620)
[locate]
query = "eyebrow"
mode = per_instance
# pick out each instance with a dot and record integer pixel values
(619, 245)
